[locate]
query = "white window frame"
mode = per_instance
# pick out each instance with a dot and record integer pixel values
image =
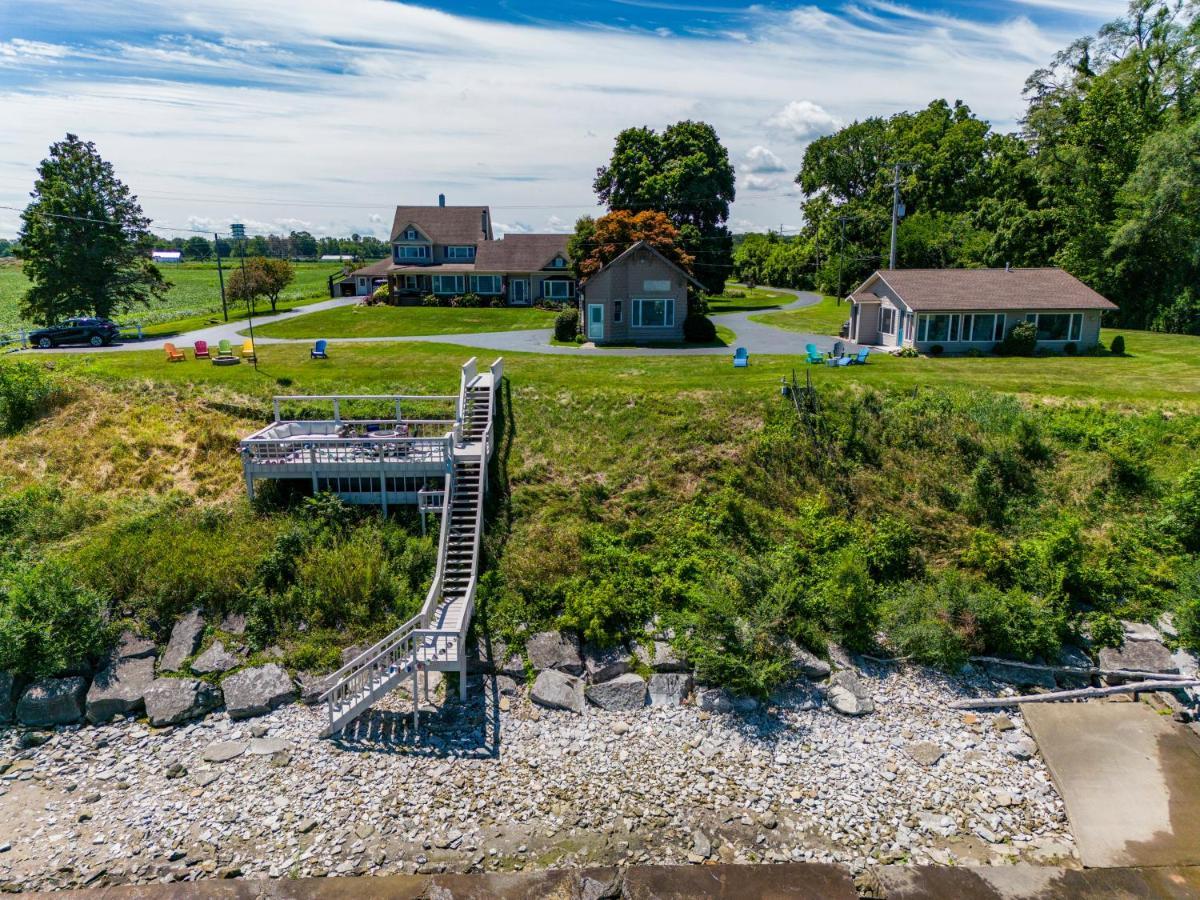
(639, 305)
(410, 282)
(411, 234)
(550, 294)
(890, 313)
(439, 280)
(1074, 327)
(494, 279)
(557, 263)
(1001, 327)
(459, 251)
(406, 251)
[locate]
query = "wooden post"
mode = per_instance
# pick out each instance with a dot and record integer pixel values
(275, 403)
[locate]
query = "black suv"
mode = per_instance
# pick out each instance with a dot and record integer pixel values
(97, 332)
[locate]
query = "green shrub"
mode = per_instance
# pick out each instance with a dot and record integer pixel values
(699, 330)
(468, 300)
(1021, 340)
(26, 391)
(1128, 469)
(566, 325)
(907, 353)
(1105, 630)
(1117, 347)
(48, 621)
(433, 300)
(1183, 508)
(849, 600)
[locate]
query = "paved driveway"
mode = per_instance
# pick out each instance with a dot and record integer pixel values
(754, 336)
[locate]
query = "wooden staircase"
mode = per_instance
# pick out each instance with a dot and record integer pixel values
(434, 639)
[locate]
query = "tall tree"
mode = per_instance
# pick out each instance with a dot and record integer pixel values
(600, 241)
(684, 172)
(197, 247)
(84, 239)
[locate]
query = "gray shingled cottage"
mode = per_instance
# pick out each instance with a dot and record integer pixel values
(640, 297)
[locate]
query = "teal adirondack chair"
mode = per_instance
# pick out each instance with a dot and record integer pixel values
(814, 356)
(741, 358)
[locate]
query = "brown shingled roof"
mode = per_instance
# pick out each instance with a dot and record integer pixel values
(520, 252)
(374, 270)
(445, 224)
(984, 289)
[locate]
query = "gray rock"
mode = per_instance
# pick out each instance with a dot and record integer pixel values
(495, 658)
(185, 640)
(1022, 748)
(53, 701)
(839, 657)
(223, 751)
(253, 692)
(808, 664)
(1139, 631)
(661, 657)
(714, 700)
(604, 664)
(1020, 676)
(848, 695)
(173, 700)
(558, 690)
(925, 752)
(352, 653)
(621, 694)
(234, 623)
(215, 659)
(1166, 625)
(506, 686)
(313, 686)
(1001, 722)
(8, 689)
(119, 688)
(1076, 658)
(669, 688)
(744, 705)
(1138, 655)
(266, 746)
(701, 845)
(132, 646)
(554, 650)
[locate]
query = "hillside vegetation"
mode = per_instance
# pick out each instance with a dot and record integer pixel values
(931, 522)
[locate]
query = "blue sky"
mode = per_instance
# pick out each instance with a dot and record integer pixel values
(304, 114)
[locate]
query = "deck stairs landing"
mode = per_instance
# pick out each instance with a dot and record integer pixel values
(434, 639)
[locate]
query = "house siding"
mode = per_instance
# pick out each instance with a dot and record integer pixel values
(625, 281)
(1089, 332)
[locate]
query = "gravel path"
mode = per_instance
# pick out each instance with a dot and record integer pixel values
(506, 785)
(754, 336)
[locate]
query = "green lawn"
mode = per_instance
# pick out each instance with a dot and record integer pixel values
(1158, 368)
(404, 321)
(195, 292)
(739, 298)
(824, 318)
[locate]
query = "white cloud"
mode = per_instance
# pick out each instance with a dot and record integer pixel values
(804, 120)
(757, 182)
(22, 52)
(760, 159)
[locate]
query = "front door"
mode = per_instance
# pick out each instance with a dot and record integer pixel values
(595, 331)
(518, 291)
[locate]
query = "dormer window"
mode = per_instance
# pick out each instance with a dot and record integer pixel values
(558, 263)
(411, 234)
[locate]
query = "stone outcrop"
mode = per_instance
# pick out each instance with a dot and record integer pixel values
(669, 688)
(624, 693)
(714, 700)
(119, 689)
(495, 658)
(661, 657)
(173, 700)
(848, 695)
(554, 650)
(215, 659)
(234, 623)
(558, 690)
(1020, 676)
(252, 692)
(53, 701)
(132, 646)
(1139, 655)
(604, 664)
(185, 640)
(312, 686)
(809, 664)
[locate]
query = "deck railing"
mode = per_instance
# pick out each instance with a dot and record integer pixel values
(320, 450)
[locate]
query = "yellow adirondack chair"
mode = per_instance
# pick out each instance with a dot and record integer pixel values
(248, 350)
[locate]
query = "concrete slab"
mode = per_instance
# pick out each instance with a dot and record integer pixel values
(1023, 882)
(1130, 779)
(794, 881)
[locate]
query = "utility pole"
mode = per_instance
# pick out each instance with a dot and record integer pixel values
(842, 220)
(897, 210)
(239, 231)
(220, 275)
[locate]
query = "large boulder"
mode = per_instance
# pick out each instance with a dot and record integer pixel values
(253, 692)
(1020, 676)
(8, 691)
(133, 646)
(493, 657)
(808, 664)
(714, 700)
(173, 700)
(624, 693)
(661, 657)
(215, 659)
(53, 701)
(119, 689)
(1139, 656)
(605, 663)
(312, 686)
(558, 690)
(848, 695)
(554, 650)
(185, 640)
(669, 688)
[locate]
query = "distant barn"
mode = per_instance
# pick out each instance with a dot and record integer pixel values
(166, 255)
(336, 257)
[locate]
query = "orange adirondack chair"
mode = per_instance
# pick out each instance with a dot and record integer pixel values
(173, 355)
(202, 350)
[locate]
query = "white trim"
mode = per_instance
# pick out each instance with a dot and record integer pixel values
(458, 251)
(497, 280)
(401, 251)
(1074, 333)
(550, 295)
(893, 314)
(435, 284)
(526, 295)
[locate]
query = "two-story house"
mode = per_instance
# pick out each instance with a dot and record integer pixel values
(450, 250)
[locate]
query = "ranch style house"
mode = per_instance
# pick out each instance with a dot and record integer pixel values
(964, 309)
(448, 251)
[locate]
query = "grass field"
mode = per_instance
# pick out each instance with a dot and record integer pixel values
(824, 318)
(195, 291)
(404, 321)
(750, 299)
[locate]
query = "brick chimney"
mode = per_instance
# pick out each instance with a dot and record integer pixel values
(441, 199)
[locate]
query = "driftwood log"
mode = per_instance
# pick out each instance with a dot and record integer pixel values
(1072, 670)
(1137, 687)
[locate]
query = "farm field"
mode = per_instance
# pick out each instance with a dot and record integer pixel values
(403, 321)
(195, 292)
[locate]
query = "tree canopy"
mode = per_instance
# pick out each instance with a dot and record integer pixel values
(260, 277)
(597, 242)
(685, 173)
(84, 239)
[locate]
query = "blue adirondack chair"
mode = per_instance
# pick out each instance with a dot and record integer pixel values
(861, 359)
(318, 350)
(814, 355)
(741, 358)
